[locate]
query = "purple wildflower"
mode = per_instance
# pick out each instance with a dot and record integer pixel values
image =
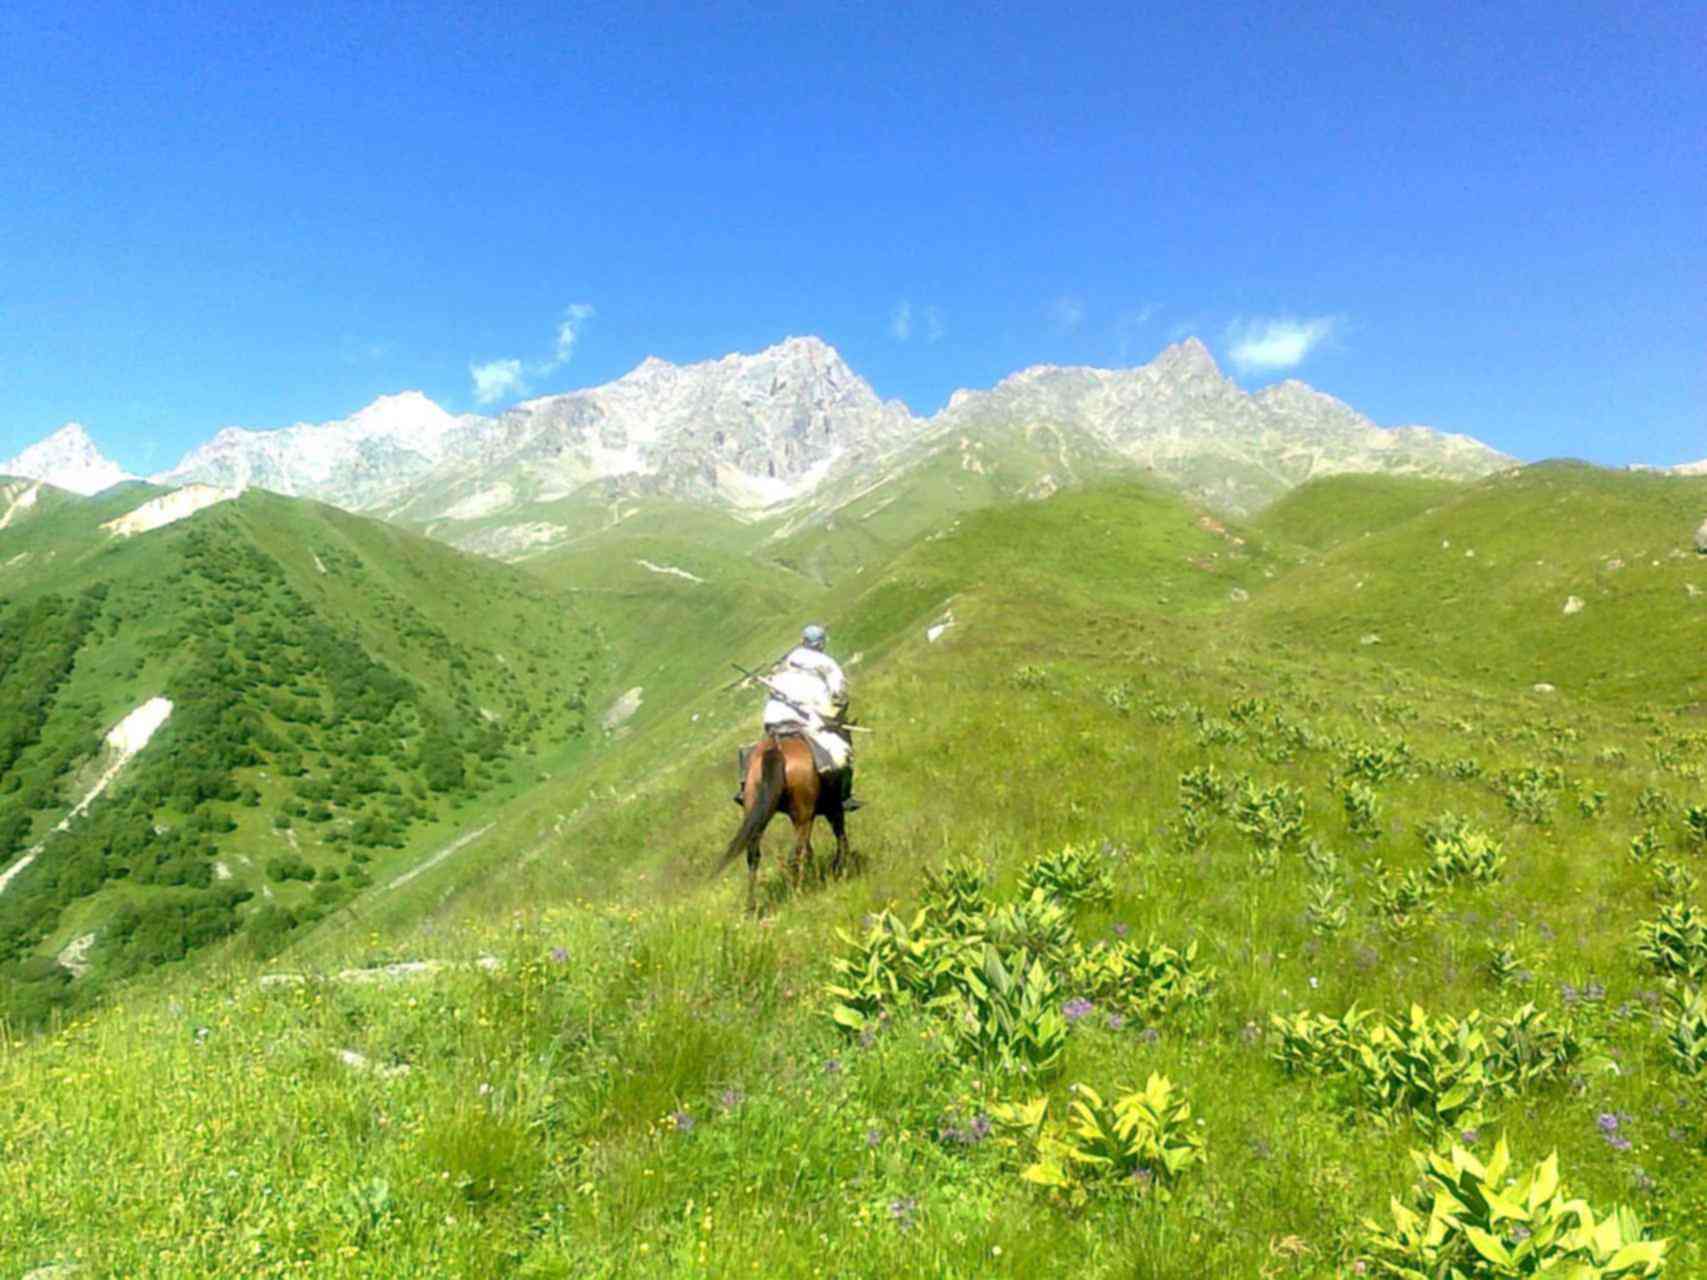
(683, 1121)
(873, 1137)
(1607, 1122)
(1568, 993)
(559, 955)
(833, 1067)
(729, 1099)
(1076, 1008)
(965, 1135)
(1470, 1137)
(902, 1210)
(1149, 1035)
(1115, 1021)
(1618, 1144)
(1119, 929)
(1593, 992)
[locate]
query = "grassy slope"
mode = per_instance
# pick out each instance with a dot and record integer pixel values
(650, 1085)
(1333, 510)
(1475, 583)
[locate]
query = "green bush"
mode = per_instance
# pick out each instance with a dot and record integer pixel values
(1071, 876)
(1474, 1222)
(288, 866)
(1143, 1144)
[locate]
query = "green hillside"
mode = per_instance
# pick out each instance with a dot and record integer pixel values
(1185, 859)
(1477, 583)
(341, 691)
(1324, 513)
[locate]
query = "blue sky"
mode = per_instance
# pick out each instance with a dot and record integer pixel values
(1486, 218)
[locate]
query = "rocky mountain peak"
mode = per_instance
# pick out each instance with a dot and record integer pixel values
(67, 459)
(1188, 358)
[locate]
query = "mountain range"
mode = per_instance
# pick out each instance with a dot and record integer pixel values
(790, 430)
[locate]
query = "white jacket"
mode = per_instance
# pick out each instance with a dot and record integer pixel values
(815, 681)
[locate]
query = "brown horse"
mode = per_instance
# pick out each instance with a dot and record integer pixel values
(782, 776)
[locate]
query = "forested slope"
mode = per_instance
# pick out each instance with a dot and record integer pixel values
(339, 691)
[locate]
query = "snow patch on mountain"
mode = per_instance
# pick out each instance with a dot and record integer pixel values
(159, 512)
(123, 741)
(669, 569)
(68, 459)
(17, 499)
(483, 503)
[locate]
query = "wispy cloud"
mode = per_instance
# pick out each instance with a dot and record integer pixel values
(496, 380)
(1066, 315)
(568, 333)
(1259, 346)
(901, 321)
(906, 320)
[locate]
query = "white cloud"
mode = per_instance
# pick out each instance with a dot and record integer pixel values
(505, 379)
(901, 321)
(568, 332)
(1066, 315)
(936, 326)
(1256, 346)
(497, 379)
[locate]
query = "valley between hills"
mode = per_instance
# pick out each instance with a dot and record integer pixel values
(1247, 866)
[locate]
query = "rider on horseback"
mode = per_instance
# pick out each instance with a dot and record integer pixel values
(809, 696)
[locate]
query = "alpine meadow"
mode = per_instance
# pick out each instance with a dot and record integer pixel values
(1280, 856)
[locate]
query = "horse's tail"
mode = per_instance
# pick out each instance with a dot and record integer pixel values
(773, 777)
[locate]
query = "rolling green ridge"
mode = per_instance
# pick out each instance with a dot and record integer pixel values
(1325, 512)
(1167, 820)
(1476, 583)
(324, 723)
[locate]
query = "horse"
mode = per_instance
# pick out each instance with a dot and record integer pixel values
(782, 775)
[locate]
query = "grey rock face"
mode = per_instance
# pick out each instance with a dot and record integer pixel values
(358, 463)
(793, 424)
(1236, 451)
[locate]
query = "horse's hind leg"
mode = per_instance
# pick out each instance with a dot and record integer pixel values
(802, 850)
(839, 824)
(753, 878)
